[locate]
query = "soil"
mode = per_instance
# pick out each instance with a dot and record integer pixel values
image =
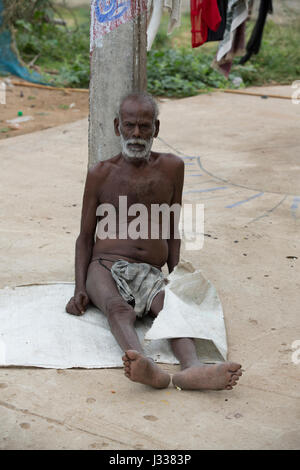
(48, 108)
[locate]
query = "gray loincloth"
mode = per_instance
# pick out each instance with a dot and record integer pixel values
(138, 284)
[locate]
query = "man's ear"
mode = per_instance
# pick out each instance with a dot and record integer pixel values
(157, 123)
(116, 126)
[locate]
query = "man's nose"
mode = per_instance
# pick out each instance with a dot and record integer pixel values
(136, 131)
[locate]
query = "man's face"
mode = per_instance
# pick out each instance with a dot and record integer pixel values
(137, 129)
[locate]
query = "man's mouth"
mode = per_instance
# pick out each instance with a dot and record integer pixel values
(136, 146)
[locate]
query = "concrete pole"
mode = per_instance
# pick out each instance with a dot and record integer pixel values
(118, 61)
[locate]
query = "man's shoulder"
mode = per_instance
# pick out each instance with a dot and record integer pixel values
(172, 164)
(102, 168)
(171, 160)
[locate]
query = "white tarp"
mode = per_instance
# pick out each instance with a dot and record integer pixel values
(36, 331)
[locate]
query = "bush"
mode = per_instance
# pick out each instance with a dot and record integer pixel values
(180, 72)
(15, 10)
(64, 51)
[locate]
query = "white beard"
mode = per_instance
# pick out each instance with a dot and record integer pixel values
(131, 153)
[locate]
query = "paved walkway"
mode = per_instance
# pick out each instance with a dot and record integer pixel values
(242, 161)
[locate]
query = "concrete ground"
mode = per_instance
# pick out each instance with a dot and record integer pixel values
(242, 162)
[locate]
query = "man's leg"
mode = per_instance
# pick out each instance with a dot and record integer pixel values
(103, 293)
(194, 374)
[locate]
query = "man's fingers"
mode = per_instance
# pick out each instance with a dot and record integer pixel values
(79, 305)
(82, 301)
(72, 308)
(85, 301)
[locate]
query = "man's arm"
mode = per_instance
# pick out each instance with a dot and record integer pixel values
(84, 245)
(174, 243)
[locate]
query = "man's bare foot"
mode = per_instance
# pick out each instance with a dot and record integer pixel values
(222, 376)
(139, 368)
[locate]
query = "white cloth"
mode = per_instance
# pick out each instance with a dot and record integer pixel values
(36, 331)
(192, 309)
(155, 10)
(237, 13)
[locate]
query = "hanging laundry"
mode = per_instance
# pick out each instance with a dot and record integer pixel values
(254, 43)
(155, 11)
(233, 43)
(204, 14)
(174, 8)
(218, 35)
(237, 48)
(237, 12)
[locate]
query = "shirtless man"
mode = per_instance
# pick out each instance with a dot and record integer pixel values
(149, 178)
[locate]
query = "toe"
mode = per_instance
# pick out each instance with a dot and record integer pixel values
(234, 367)
(235, 377)
(132, 354)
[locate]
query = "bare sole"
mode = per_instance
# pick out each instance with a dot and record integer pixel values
(208, 377)
(139, 368)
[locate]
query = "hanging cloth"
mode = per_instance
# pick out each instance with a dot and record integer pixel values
(233, 43)
(253, 45)
(204, 14)
(174, 9)
(237, 13)
(237, 48)
(218, 35)
(155, 11)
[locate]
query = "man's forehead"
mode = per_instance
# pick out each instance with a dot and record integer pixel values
(134, 108)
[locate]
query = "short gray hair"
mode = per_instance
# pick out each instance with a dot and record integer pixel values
(140, 96)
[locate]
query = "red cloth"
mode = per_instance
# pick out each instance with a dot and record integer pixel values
(204, 14)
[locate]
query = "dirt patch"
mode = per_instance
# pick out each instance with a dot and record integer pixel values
(48, 108)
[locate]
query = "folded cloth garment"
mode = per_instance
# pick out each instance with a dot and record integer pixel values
(138, 284)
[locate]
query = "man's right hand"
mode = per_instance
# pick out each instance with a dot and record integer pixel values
(77, 304)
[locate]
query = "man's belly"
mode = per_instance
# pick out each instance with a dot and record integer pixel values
(154, 252)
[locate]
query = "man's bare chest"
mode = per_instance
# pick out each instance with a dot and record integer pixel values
(148, 188)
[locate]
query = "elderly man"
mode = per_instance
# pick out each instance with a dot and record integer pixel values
(121, 274)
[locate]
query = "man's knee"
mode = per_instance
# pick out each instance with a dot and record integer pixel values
(118, 310)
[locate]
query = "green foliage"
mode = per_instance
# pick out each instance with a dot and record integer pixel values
(278, 60)
(27, 10)
(180, 72)
(58, 48)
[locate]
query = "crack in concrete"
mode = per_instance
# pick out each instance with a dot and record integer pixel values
(59, 423)
(218, 178)
(268, 391)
